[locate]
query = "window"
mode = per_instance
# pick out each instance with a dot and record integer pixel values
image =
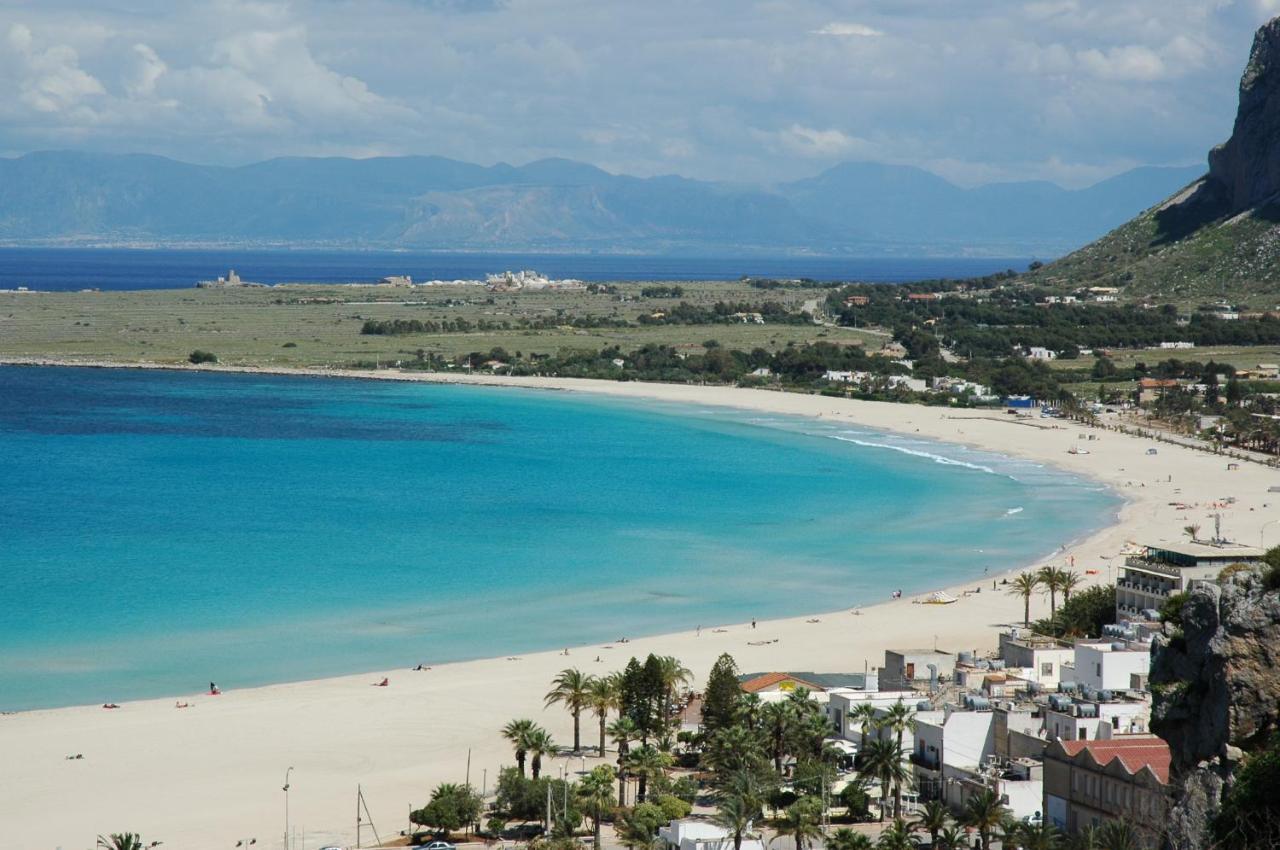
(1099, 666)
(1046, 668)
(1084, 734)
(1115, 722)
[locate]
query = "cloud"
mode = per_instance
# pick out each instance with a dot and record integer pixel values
(50, 78)
(847, 30)
(820, 144)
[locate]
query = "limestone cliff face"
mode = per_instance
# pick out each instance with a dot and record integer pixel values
(1247, 167)
(1217, 695)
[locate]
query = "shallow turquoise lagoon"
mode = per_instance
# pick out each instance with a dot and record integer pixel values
(162, 530)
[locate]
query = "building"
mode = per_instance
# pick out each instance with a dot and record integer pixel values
(1150, 389)
(1087, 783)
(697, 834)
(903, 668)
(842, 703)
(1109, 664)
(1177, 345)
(1036, 352)
(857, 301)
(1035, 658)
(838, 376)
(1163, 569)
(763, 683)
(1069, 718)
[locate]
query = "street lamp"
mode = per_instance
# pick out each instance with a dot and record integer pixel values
(286, 807)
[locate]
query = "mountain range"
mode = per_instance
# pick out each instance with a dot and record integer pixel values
(862, 209)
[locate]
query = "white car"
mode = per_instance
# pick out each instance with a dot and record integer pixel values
(439, 845)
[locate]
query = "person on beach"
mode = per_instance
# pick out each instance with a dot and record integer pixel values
(753, 623)
(384, 683)
(213, 690)
(699, 630)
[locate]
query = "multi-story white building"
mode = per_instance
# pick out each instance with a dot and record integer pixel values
(1068, 718)
(1163, 569)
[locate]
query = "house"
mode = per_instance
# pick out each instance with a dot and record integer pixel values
(838, 376)
(1105, 299)
(762, 372)
(1177, 345)
(843, 702)
(762, 683)
(915, 385)
(1087, 783)
(922, 296)
(1035, 658)
(896, 350)
(1037, 352)
(1069, 718)
(1268, 370)
(1164, 568)
(905, 667)
(698, 834)
(1149, 389)
(397, 280)
(857, 301)
(1109, 664)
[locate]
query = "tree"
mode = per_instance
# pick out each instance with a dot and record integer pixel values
(1039, 836)
(899, 719)
(517, 732)
(1068, 583)
(674, 676)
(640, 826)
(451, 808)
(722, 694)
(1085, 613)
(1192, 531)
(777, 719)
(984, 812)
(1051, 579)
(647, 764)
(855, 801)
(933, 818)
(735, 813)
(122, 841)
(897, 837)
(802, 821)
(865, 715)
(1025, 584)
(602, 695)
(1119, 835)
(199, 357)
(596, 794)
(846, 839)
(882, 762)
(538, 743)
(623, 731)
(571, 687)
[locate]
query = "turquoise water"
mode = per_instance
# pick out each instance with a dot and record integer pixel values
(161, 530)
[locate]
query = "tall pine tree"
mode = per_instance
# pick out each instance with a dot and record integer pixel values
(723, 694)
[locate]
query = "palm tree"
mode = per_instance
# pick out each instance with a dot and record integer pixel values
(899, 719)
(735, 813)
(1024, 585)
(984, 812)
(776, 718)
(596, 793)
(674, 676)
(1068, 583)
(122, 841)
(538, 743)
(647, 764)
(800, 822)
(952, 838)
(1088, 838)
(896, 837)
(602, 696)
(865, 715)
(623, 731)
(932, 819)
(1039, 836)
(1051, 578)
(748, 711)
(573, 688)
(882, 762)
(1118, 835)
(517, 732)
(846, 839)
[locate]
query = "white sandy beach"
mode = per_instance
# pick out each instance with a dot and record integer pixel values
(209, 775)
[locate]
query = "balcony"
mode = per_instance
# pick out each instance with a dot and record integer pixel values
(928, 762)
(1137, 562)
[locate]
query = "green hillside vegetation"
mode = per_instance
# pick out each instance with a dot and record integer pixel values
(1180, 253)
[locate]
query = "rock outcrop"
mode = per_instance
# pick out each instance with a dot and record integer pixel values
(1247, 167)
(1217, 695)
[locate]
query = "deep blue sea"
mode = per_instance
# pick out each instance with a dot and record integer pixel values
(161, 530)
(121, 268)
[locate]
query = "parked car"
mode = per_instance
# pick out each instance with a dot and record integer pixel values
(439, 845)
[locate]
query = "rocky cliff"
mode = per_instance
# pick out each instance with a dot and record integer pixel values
(1247, 167)
(1217, 695)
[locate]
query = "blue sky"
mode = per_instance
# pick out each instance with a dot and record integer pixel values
(974, 90)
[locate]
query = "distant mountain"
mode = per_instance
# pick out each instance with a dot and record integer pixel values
(861, 209)
(1218, 236)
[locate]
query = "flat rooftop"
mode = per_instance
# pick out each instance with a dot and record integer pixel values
(1207, 550)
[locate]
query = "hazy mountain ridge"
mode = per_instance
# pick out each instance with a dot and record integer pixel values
(434, 202)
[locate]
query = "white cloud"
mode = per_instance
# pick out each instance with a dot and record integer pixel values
(847, 30)
(1131, 62)
(51, 79)
(822, 144)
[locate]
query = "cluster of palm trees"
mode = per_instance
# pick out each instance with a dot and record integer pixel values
(531, 742)
(1049, 580)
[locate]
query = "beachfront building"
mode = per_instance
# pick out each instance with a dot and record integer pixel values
(1105, 716)
(1109, 664)
(842, 702)
(905, 668)
(1035, 658)
(699, 834)
(1087, 783)
(1164, 569)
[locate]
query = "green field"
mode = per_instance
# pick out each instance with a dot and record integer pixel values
(320, 325)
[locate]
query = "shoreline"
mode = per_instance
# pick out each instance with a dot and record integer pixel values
(402, 740)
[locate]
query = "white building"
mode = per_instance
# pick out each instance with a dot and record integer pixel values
(1068, 718)
(695, 834)
(1035, 352)
(841, 703)
(1164, 569)
(1035, 658)
(1110, 665)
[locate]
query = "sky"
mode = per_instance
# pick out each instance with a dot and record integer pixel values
(977, 91)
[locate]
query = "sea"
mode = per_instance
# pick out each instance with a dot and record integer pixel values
(51, 269)
(159, 531)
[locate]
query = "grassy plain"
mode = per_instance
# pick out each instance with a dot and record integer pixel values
(320, 325)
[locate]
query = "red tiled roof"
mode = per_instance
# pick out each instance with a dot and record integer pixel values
(1134, 753)
(768, 680)
(1157, 383)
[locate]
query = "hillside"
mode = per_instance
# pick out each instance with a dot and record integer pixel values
(1219, 237)
(861, 209)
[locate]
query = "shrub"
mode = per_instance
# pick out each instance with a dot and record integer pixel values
(199, 356)
(1171, 610)
(673, 808)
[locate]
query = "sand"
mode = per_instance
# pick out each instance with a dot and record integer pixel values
(212, 774)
